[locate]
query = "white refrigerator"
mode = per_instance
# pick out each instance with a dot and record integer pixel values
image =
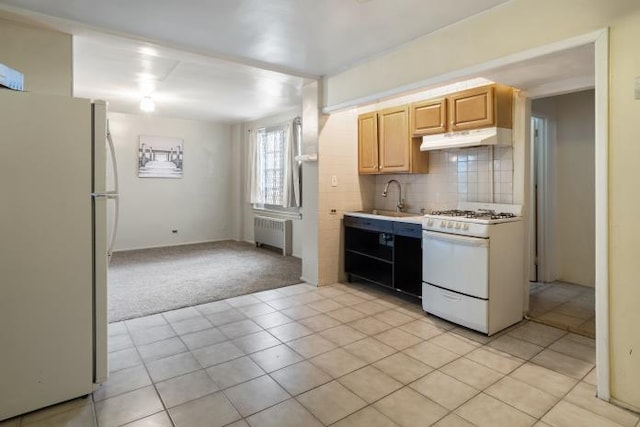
(53, 249)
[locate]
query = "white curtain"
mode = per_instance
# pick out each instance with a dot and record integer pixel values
(274, 180)
(292, 171)
(254, 189)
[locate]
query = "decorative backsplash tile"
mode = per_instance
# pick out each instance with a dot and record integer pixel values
(483, 174)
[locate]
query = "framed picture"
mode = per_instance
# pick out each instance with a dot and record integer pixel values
(160, 157)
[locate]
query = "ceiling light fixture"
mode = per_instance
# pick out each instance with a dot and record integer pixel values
(147, 105)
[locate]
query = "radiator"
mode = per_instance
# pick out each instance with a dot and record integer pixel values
(273, 232)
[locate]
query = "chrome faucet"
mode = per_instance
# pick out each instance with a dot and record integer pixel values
(400, 205)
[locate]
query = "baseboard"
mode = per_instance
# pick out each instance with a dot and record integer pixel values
(173, 245)
(308, 282)
(624, 405)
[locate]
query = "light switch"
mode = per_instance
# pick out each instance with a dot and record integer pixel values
(334, 180)
(637, 88)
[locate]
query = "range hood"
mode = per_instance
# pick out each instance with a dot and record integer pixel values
(467, 138)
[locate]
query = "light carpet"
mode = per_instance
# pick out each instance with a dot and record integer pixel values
(149, 281)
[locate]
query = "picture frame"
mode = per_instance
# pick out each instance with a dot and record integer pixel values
(160, 157)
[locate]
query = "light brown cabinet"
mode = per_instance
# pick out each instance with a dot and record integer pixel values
(481, 107)
(386, 146)
(368, 143)
(475, 108)
(428, 117)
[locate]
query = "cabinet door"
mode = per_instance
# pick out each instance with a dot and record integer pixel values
(368, 143)
(471, 109)
(394, 140)
(428, 117)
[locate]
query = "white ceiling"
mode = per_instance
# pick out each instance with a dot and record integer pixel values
(181, 84)
(230, 60)
(239, 60)
(304, 37)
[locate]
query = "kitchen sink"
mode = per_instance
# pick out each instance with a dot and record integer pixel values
(393, 214)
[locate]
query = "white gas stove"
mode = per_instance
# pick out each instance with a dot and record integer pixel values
(472, 265)
(471, 218)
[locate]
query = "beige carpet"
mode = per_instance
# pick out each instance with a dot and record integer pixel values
(150, 281)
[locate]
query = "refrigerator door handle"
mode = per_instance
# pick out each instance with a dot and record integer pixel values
(113, 194)
(105, 195)
(114, 163)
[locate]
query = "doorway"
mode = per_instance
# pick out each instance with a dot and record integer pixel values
(562, 272)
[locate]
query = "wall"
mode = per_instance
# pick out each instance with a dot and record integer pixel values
(571, 120)
(42, 55)
(198, 205)
(624, 204)
(245, 206)
(503, 30)
(413, 65)
(338, 157)
(310, 224)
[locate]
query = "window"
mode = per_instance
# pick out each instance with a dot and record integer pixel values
(275, 174)
(271, 165)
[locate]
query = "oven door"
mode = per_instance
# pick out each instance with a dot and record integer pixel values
(457, 263)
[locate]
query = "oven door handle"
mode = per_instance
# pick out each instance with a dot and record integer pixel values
(455, 239)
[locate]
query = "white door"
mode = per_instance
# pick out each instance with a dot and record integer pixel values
(456, 263)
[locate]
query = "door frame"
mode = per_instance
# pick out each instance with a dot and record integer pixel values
(600, 40)
(602, 212)
(542, 219)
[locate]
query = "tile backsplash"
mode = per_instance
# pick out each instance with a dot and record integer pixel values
(482, 174)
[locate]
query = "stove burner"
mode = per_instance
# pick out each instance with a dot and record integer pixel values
(479, 214)
(454, 212)
(502, 215)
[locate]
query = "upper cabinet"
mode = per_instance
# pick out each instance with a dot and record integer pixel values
(428, 117)
(480, 107)
(394, 143)
(389, 140)
(385, 144)
(368, 143)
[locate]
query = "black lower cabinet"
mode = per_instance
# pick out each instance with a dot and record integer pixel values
(407, 265)
(384, 252)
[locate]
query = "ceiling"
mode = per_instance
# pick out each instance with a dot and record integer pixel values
(240, 60)
(181, 84)
(228, 60)
(303, 37)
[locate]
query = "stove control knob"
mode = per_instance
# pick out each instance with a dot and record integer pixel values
(458, 225)
(449, 224)
(465, 227)
(443, 224)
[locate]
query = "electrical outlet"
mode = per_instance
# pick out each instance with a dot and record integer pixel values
(334, 180)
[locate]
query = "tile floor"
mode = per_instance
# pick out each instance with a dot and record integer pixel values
(342, 355)
(564, 305)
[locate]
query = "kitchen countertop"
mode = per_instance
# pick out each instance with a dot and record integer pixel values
(417, 219)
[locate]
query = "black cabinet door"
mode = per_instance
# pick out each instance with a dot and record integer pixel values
(407, 265)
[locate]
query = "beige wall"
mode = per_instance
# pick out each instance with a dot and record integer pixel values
(199, 205)
(338, 145)
(504, 30)
(43, 56)
(624, 204)
(570, 173)
(514, 27)
(575, 187)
